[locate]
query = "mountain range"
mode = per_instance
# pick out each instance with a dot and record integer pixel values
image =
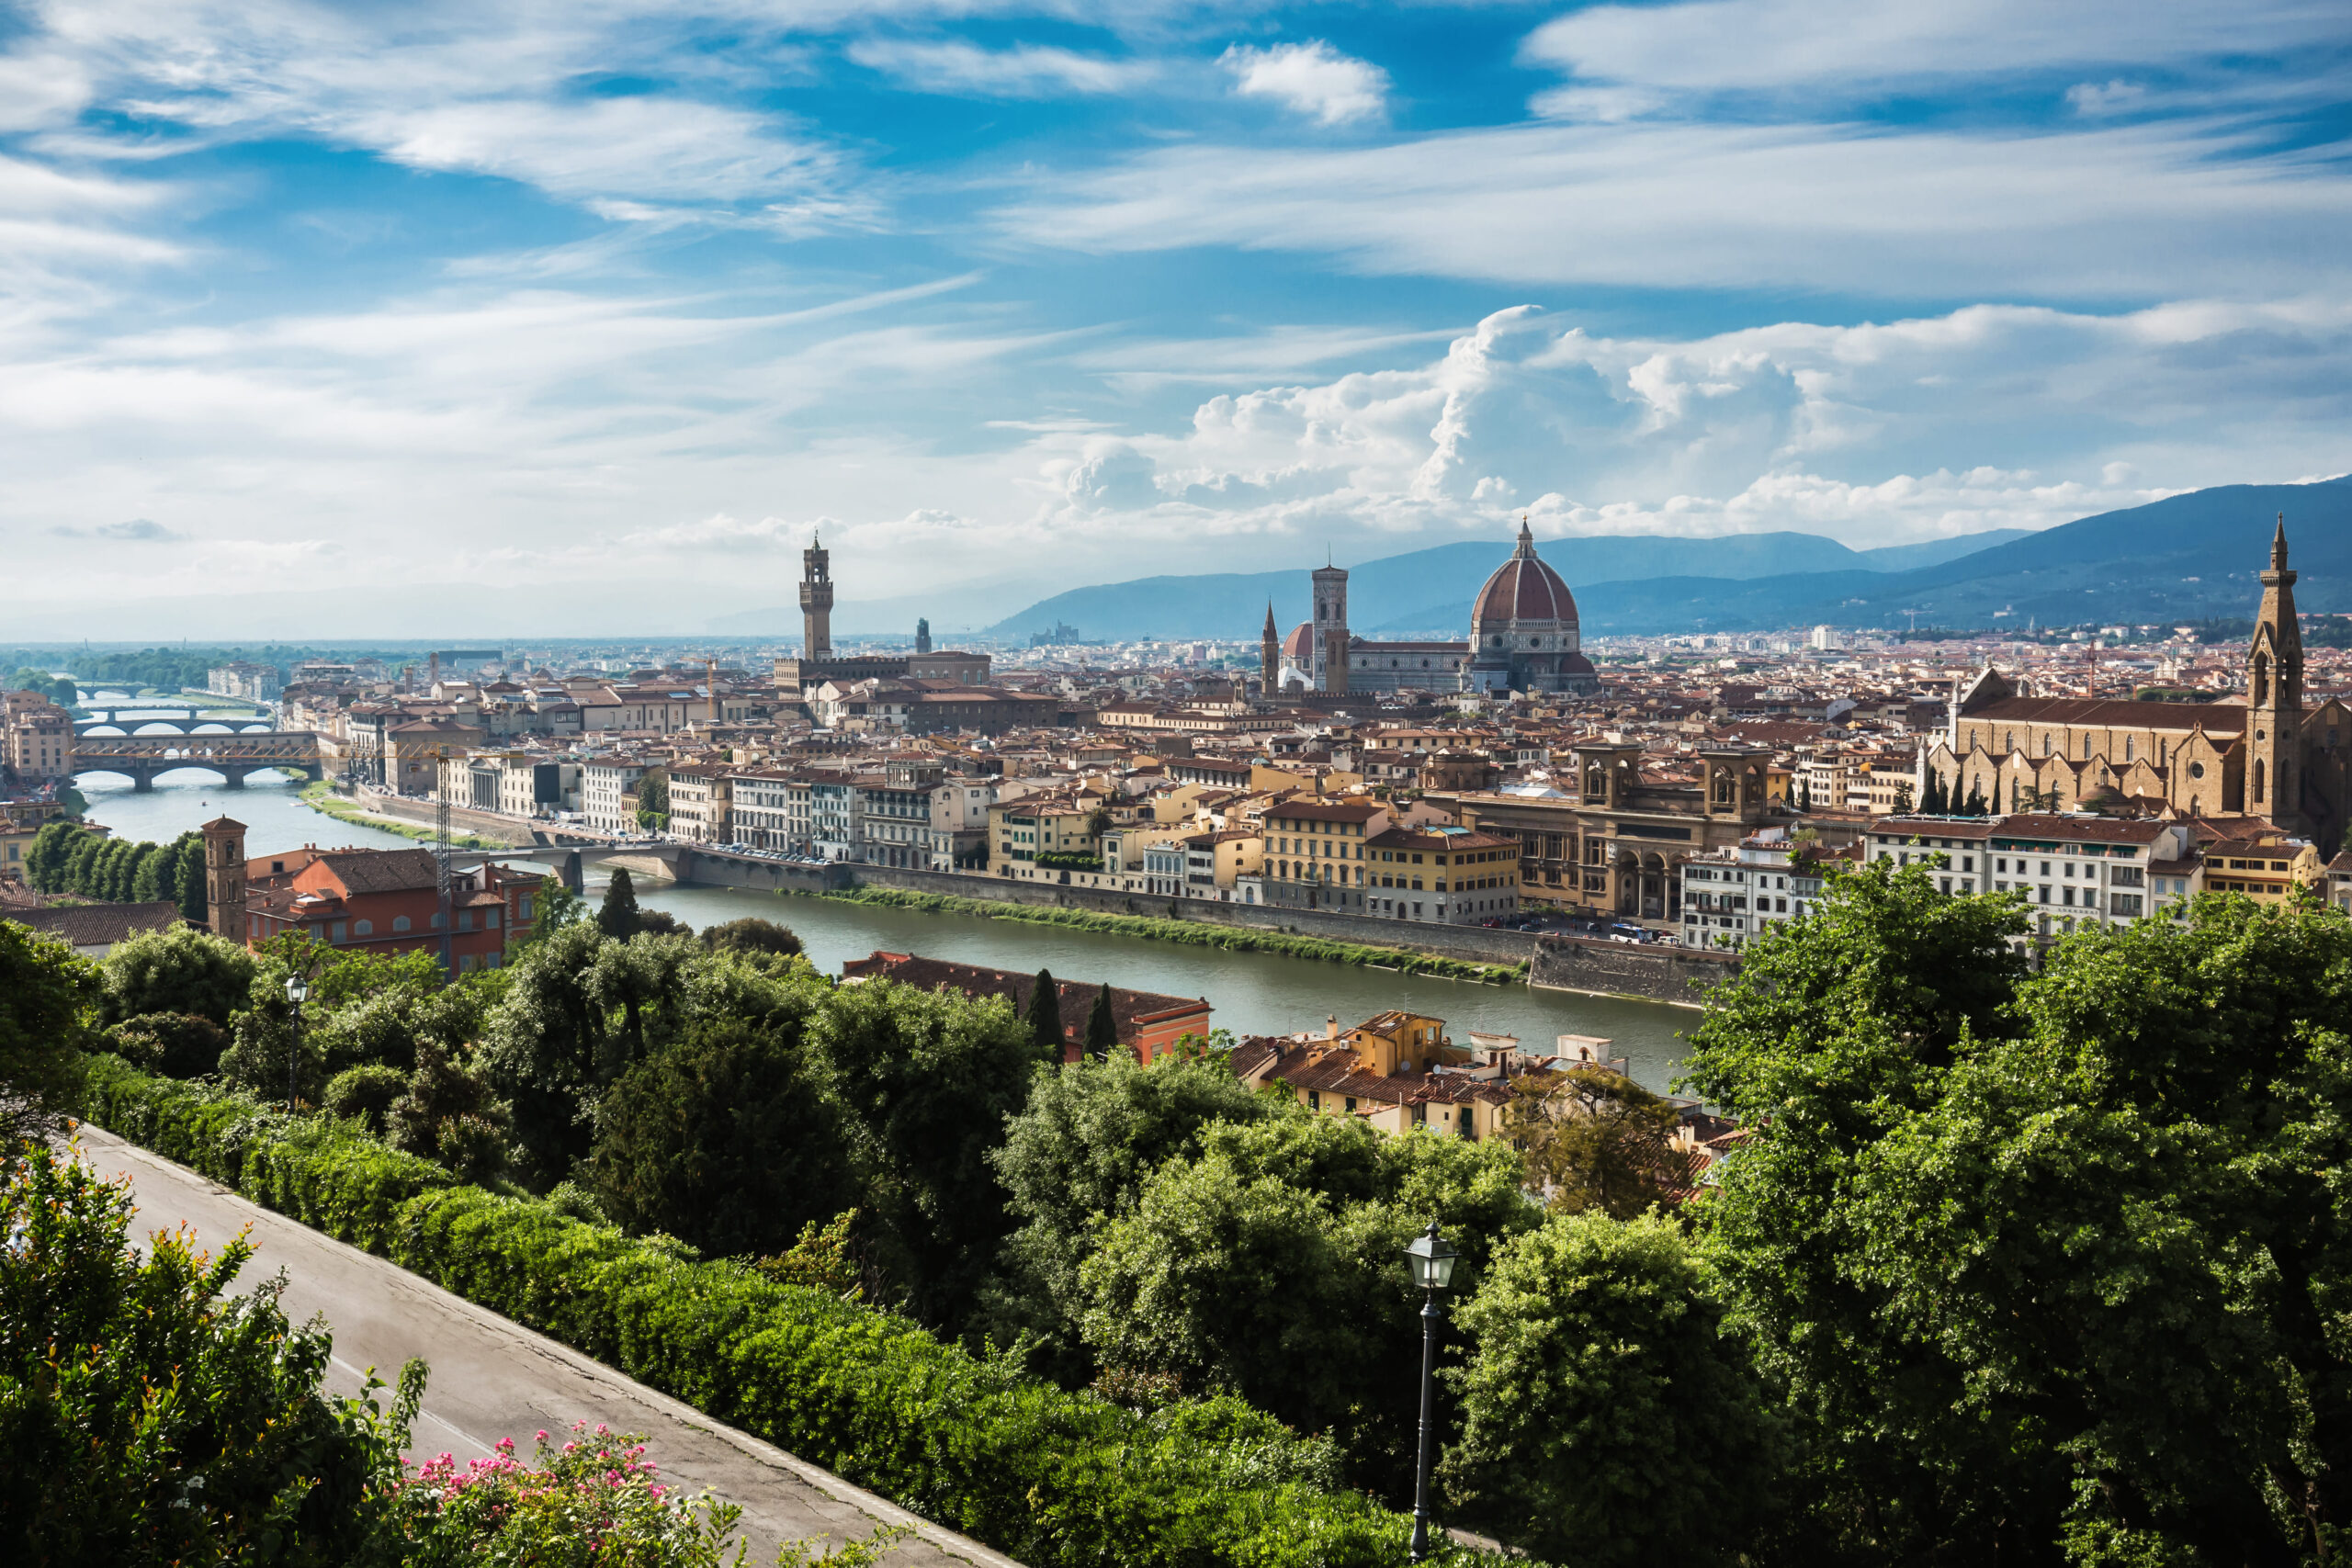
(2187, 557)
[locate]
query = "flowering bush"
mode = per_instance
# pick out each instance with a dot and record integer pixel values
(593, 1499)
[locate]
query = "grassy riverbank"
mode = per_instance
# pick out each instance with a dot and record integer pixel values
(1189, 933)
(321, 797)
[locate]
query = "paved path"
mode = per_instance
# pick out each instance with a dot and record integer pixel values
(494, 1379)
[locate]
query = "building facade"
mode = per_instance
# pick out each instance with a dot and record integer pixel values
(2269, 756)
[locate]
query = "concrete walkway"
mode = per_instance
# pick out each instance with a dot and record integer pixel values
(495, 1378)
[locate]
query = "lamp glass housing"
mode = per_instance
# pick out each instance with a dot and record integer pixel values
(298, 990)
(1430, 1259)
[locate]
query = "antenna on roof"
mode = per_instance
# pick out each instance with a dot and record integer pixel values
(441, 878)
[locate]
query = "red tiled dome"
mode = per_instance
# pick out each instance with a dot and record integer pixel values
(1300, 645)
(1524, 589)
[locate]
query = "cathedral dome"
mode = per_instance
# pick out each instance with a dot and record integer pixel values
(1299, 646)
(1524, 600)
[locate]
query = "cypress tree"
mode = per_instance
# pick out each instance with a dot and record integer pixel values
(1974, 805)
(1046, 1016)
(189, 885)
(1101, 1027)
(618, 918)
(1931, 800)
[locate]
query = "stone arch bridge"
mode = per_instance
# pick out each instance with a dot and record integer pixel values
(145, 758)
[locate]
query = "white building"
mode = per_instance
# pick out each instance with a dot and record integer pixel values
(1732, 896)
(2073, 869)
(608, 792)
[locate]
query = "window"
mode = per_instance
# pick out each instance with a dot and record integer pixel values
(400, 922)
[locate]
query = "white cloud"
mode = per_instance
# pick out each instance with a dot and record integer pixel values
(1311, 78)
(1841, 45)
(1025, 71)
(2129, 211)
(2102, 98)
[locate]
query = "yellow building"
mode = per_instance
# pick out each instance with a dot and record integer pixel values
(2265, 866)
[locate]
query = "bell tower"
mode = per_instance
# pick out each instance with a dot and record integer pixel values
(815, 603)
(1329, 652)
(1270, 655)
(225, 878)
(2274, 697)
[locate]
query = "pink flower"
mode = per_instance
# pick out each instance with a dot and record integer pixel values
(543, 1434)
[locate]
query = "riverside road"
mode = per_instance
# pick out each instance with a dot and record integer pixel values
(494, 1379)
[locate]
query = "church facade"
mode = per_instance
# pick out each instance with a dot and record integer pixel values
(2268, 757)
(1524, 637)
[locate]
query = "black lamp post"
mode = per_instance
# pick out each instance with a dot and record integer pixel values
(298, 991)
(1431, 1260)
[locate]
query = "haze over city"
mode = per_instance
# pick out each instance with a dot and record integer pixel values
(585, 318)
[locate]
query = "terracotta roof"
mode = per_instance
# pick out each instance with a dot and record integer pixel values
(100, 925)
(1299, 645)
(1524, 589)
(1130, 1011)
(382, 871)
(2104, 712)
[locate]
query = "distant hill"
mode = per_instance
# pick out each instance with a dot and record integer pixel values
(1430, 590)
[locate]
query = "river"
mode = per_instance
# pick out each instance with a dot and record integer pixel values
(1251, 993)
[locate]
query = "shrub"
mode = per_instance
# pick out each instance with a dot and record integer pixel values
(1053, 1478)
(751, 934)
(176, 1044)
(180, 970)
(364, 1093)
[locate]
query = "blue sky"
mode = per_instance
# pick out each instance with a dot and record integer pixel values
(582, 316)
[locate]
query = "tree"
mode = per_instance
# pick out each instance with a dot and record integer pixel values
(151, 1414)
(727, 1139)
(1593, 1140)
(653, 800)
(364, 1093)
(2043, 1262)
(188, 888)
(1804, 796)
(549, 1052)
(1271, 1264)
(448, 1113)
(558, 906)
(44, 992)
(176, 1044)
(181, 970)
(1080, 1152)
(1606, 1417)
(1974, 804)
(1903, 795)
(50, 854)
(617, 918)
(1102, 1026)
(751, 934)
(1934, 801)
(1044, 1017)
(926, 1081)
(661, 922)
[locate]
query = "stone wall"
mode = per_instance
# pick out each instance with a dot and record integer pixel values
(1476, 943)
(704, 870)
(1652, 972)
(463, 819)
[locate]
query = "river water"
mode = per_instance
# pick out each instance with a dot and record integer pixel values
(1251, 993)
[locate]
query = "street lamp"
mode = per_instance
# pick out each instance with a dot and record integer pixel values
(298, 991)
(1430, 1262)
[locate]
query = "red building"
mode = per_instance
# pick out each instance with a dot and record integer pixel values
(1146, 1022)
(387, 901)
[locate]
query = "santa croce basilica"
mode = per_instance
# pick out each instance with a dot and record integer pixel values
(2266, 757)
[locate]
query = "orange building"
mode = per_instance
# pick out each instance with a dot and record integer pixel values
(389, 901)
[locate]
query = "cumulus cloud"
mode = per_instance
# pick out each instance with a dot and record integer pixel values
(1310, 78)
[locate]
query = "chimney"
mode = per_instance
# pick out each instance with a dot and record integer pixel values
(1331, 1026)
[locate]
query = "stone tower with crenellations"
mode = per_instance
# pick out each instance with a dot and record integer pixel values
(815, 603)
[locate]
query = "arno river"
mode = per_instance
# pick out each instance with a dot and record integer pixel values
(1251, 993)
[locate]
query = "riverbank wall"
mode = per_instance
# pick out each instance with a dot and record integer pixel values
(1679, 976)
(1476, 943)
(484, 825)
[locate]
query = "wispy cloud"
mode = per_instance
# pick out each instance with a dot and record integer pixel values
(1025, 71)
(137, 531)
(1312, 79)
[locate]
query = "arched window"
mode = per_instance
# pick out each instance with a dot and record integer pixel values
(2260, 684)
(400, 922)
(2130, 744)
(2011, 744)
(2257, 780)
(363, 928)
(2045, 745)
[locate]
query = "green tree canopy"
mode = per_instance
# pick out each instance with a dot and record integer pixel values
(1605, 1416)
(1594, 1139)
(45, 992)
(618, 916)
(727, 1139)
(180, 970)
(1102, 1026)
(750, 933)
(926, 1081)
(1045, 1018)
(150, 1415)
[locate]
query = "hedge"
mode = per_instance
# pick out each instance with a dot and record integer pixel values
(1189, 933)
(1056, 1479)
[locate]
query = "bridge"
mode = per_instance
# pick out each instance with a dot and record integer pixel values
(144, 758)
(177, 716)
